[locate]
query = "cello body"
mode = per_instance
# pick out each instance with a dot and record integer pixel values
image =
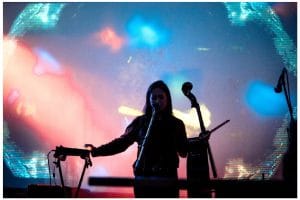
(197, 168)
(197, 158)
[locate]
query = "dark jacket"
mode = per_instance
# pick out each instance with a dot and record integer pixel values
(167, 140)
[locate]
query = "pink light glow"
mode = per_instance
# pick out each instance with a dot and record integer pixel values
(60, 112)
(108, 37)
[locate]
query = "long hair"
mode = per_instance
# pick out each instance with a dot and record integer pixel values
(158, 84)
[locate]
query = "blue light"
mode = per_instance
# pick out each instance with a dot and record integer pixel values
(47, 63)
(149, 35)
(175, 84)
(262, 99)
(145, 34)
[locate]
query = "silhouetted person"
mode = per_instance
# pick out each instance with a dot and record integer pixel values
(158, 154)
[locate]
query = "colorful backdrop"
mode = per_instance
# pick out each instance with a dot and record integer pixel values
(77, 73)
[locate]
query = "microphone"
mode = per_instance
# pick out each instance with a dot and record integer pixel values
(278, 87)
(186, 88)
(155, 106)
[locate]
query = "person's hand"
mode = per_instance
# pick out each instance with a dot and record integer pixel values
(91, 148)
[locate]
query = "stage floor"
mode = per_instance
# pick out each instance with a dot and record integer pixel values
(215, 188)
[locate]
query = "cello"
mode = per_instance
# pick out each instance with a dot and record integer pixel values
(199, 153)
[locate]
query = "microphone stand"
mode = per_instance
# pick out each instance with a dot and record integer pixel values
(137, 166)
(293, 124)
(290, 157)
(282, 83)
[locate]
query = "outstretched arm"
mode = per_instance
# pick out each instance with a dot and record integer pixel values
(117, 145)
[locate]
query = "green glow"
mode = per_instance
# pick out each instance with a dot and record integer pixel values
(22, 166)
(36, 16)
(240, 13)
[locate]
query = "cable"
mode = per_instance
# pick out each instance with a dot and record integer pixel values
(54, 167)
(49, 165)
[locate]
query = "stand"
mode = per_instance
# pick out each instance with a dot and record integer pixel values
(290, 157)
(87, 163)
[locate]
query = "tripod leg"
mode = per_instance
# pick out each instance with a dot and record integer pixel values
(212, 162)
(60, 174)
(82, 174)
